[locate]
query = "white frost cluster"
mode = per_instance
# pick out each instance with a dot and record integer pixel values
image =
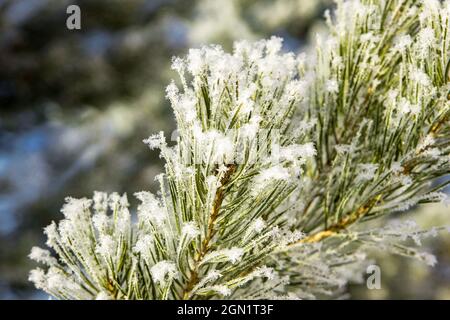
(163, 271)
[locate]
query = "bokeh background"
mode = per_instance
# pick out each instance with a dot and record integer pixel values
(75, 106)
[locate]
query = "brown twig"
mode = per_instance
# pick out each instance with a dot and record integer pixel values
(205, 246)
(341, 225)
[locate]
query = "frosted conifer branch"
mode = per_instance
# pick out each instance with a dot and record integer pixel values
(278, 162)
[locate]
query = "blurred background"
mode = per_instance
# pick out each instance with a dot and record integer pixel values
(76, 104)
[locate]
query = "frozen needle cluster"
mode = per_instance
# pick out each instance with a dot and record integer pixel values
(279, 160)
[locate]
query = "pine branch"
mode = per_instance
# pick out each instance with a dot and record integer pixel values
(205, 247)
(279, 161)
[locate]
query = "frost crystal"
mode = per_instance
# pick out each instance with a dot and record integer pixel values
(190, 230)
(155, 141)
(332, 86)
(41, 255)
(403, 43)
(163, 271)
